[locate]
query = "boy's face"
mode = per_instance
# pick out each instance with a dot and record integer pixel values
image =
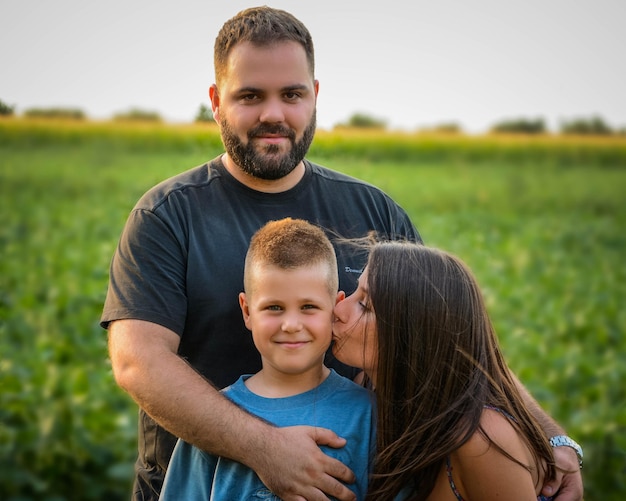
(290, 315)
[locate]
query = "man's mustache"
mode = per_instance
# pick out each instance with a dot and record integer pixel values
(277, 129)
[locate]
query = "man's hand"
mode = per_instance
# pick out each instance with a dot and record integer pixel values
(568, 484)
(294, 467)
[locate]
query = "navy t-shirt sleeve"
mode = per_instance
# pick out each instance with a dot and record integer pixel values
(147, 279)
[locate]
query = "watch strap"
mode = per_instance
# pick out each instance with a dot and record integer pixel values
(565, 441)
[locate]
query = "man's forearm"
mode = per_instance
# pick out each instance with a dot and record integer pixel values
(550, 427)
(188, 406)
(176, 396)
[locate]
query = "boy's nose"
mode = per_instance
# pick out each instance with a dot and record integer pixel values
(291, 323)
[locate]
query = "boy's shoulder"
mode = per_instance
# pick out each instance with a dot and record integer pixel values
(343, 385)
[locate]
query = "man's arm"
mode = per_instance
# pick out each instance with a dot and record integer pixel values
(288, 460)
(568, 481)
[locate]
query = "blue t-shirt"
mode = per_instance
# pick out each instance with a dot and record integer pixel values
(337, 404)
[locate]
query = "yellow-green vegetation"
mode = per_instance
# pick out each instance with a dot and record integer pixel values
(539, 219)
(514, 149)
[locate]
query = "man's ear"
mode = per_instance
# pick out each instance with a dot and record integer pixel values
(214, 95)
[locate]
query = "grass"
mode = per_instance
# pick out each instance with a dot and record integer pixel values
(541, 226)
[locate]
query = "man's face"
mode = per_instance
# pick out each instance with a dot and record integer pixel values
(265, 106)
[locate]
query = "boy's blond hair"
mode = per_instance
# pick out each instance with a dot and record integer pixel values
(288, 244)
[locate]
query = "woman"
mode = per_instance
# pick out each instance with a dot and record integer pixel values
(451, 422)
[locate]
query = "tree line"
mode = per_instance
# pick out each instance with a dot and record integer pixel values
(594, 125)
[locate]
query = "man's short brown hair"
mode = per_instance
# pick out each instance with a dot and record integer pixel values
(261, 26)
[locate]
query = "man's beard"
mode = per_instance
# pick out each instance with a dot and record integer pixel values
(267, 164)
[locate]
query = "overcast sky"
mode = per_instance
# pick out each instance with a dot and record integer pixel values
(411, 63)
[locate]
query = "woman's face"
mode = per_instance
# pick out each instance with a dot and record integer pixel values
(354, 330)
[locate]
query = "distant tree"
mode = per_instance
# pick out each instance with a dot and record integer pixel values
(205, 114)
(137, 115)
(364, 121)
(448, 128)
(5, 109)
(64, 113)
(445, 128)
(587, 126)
(520, 126)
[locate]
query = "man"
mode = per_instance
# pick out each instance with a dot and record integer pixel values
(172, 311)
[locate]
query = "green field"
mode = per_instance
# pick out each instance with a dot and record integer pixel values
(541, 221)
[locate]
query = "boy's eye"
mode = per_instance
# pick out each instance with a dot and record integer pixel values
(274, 307)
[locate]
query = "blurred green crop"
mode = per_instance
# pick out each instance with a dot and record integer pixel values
(541, 221)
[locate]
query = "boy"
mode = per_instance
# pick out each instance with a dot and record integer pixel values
(290, 290)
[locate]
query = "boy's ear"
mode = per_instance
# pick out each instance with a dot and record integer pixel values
(341, 295)
(245, 310)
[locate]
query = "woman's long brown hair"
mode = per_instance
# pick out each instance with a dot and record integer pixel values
(439, 364)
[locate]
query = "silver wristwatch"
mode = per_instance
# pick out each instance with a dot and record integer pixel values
(564, 440)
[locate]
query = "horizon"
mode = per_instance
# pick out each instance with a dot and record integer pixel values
(413, 66)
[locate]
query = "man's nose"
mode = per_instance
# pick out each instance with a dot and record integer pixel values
(273, 111)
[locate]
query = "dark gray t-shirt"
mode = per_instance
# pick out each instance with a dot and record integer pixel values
(180, 259)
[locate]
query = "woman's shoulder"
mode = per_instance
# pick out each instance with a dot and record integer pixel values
(496, 427)
(482, 466)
